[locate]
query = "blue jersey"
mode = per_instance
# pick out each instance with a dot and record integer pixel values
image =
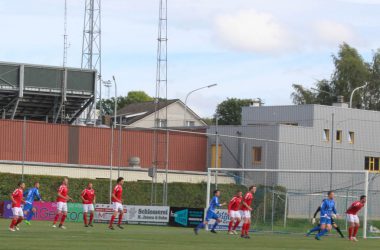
(31, 194)
(328, 208)
(214, 204)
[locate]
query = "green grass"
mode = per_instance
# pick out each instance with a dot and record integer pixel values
(41, 236)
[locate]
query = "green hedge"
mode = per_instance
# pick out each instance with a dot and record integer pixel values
(136, 193)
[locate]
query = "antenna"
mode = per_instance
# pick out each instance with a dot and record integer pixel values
(91, 49)
(161, 143)
(65, 44)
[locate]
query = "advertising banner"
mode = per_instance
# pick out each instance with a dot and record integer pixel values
(185, 217)
(223, 215)
(46, 211)
(148, 215)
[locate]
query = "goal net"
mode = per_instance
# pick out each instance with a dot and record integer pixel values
(286, 200)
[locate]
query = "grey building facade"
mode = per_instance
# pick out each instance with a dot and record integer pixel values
(304, 137)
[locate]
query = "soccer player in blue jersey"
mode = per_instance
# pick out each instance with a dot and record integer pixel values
(211, 214)
(328, 212)
(30, 195)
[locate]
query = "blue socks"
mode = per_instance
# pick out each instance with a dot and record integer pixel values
(315, 229)
(214, 226)
(323, 232)
(200, 226)
(29, 216)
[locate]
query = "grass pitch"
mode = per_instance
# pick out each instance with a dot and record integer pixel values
(41, 236)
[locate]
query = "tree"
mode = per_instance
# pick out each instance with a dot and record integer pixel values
(229, 111)
(351, 71)
(108, 105)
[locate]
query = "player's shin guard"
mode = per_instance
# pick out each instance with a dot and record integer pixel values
(19, 221)
(13, 223)
(243, 229)
(350, 232)
(247, 228)
(63, 219)
(315, 229)
(85, 218)
(30, 216)
(236, 225)
(356, 229)
(91, 217)
(112, 220)
(230, 225)
(120, 218)
(56, 218)
(322, 232)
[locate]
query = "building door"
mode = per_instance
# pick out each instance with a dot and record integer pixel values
(213, 154)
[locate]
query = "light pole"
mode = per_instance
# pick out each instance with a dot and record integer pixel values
(353, 92)
(112, 137)
(187, 96)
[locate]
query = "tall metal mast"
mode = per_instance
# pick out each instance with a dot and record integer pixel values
(91, 47)
(161, 142)
(65, 44)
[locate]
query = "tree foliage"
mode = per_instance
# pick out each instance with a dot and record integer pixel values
(229, 111)
(350, 71)
(108, 105)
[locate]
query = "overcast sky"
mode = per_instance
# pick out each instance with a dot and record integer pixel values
(251, 48)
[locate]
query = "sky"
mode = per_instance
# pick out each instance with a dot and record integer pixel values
(250, 48)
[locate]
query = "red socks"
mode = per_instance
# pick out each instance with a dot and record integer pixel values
(13, 223)
(350, 232)
(91, 217)
(245, 228)
(112, 220)
(356, 229)
(120, 218)
(63, 219)
(230, 225)
(56, 218)
(236, 225)
(18, 221)
(85, 218)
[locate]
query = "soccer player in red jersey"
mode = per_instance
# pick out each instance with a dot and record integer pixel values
(246, 211)
(353, 218)
(62, 199)
(17, 200)
(234, 213)
(88, 199)
(117, 205)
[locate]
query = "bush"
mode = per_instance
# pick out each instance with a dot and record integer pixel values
(136, 193)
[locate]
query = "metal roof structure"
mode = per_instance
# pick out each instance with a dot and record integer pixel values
(46, 93)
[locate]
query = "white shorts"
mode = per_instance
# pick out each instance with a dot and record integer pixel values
(62, 206)
(17, 211)
(88, 207)
(117, 206)
(352, 218)
(246, 214)
(235, 214)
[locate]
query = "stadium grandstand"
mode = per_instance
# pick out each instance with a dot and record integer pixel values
(45, 93)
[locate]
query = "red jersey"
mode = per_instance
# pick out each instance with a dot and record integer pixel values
(88, 195)
(118, 192)
(248, 198)
(355, 208)
(63, 190)
(17, 196)
(234, 204)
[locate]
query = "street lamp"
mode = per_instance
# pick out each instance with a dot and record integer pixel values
(187, 96)
(353, 92)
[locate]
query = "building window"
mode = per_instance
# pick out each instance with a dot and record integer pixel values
(190, 123)
(326, 135)
(161, 123)
(372, 163)
(256, 155)
(339, 136)
(351, 137)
